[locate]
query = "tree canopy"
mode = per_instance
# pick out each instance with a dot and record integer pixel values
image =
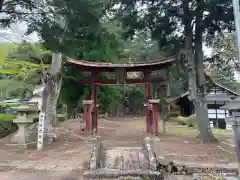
(125, 31)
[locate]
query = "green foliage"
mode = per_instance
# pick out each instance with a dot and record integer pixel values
(224, 60)
(5, 48)
(33, 53)
(4, 106)
(60, 117)
(11, 88)
(7, 117)
(164, 18)
(166, 22)
(20, 74)
(20, 68)
(85, 32)
(109, 96)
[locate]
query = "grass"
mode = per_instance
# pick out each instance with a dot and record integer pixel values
(186, 131)
(222, 132)
(5, 48)
(181, 130)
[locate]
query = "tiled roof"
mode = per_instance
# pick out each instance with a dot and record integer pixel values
(235, 104)
(217, 97)
(117, 65)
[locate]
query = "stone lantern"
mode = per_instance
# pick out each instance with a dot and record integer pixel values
(24, 137)
(235, 122)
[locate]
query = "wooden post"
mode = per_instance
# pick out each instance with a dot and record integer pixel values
(97, 106)
(147, 97)
(87, 114)
(42, 119)
(94, 98)
(147, 119)
(168, 94)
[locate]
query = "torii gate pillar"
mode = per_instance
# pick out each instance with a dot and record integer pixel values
(154, 103)
(88, 106)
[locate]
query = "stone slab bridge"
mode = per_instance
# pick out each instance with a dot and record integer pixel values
(121, 77)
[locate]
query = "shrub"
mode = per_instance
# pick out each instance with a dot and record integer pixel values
(190, 121)
(174, 114)
(7, 117)
(4, 106)
(61, 117)
(181, 121)
(6, 124)
(10, 117)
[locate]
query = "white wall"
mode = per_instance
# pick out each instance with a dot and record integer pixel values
(39, 89)
(37, 100)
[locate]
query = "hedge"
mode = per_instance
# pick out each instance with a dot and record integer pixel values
(190, 121)
(10, 117)
(60, 117)
(7, 117)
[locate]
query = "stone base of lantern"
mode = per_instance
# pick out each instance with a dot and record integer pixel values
(228, 126)
(32, 145)
(25, 137)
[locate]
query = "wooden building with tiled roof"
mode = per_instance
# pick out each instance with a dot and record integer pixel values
(218, 95)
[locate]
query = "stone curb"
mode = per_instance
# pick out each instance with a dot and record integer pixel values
(205, 168)
(208, 168)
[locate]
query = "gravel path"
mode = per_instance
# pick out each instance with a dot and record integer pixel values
(64, 175)
(64, 160)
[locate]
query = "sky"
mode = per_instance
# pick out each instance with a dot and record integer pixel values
(16, 34)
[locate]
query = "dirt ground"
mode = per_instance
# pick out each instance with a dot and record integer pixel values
(73, 144)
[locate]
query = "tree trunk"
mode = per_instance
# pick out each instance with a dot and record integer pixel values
(67, 113)
(198, 100)
(51, 93)
(1, 5)
(189, 53)
(168, 94)
(201, 110)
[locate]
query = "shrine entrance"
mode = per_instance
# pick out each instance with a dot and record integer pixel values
(121, 77)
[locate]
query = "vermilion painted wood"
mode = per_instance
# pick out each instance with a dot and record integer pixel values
(128, 81)
(94, 98)
(155, 117)
(97, 118)
(154, 104)
(147, 97)
(95, 68)
(88, 105)
(110, 67)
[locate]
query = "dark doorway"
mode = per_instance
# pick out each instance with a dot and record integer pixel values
(186, 106)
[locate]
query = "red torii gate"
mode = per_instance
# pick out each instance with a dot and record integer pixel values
(121, 70)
